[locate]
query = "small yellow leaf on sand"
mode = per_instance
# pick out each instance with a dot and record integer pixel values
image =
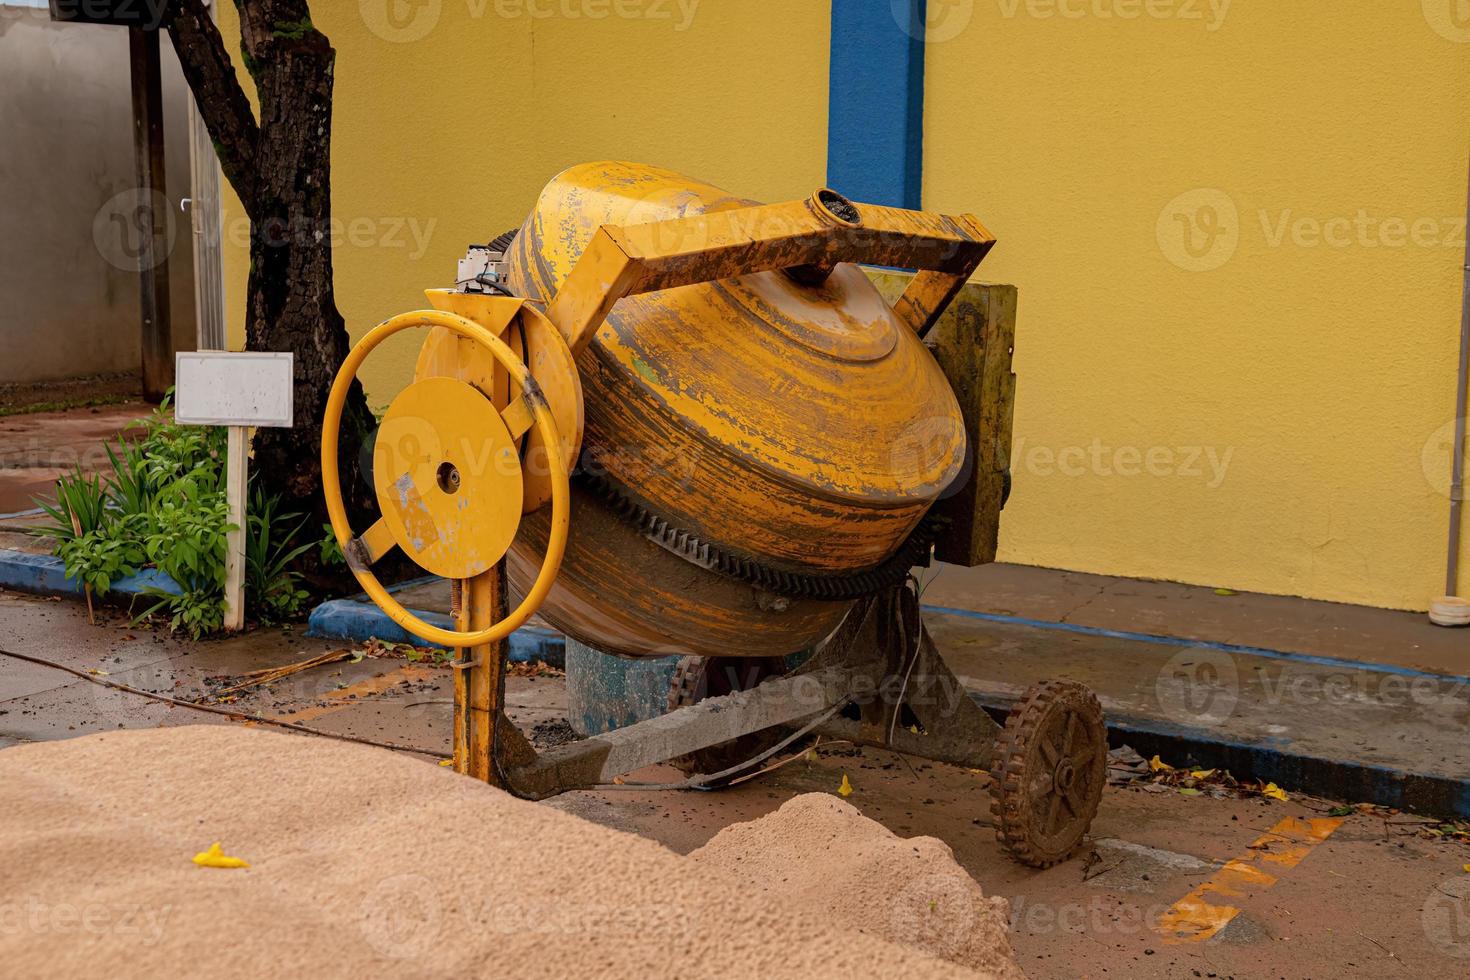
(1466, 868)
(846, 788)
(1203, 773)
(446, 763)
(1224, 592)
(1158, 765)
(216, 858)
(96, 672)
(1274, 791)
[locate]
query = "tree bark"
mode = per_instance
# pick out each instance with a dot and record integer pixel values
(281, 170)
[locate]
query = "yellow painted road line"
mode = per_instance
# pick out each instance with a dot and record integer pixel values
(342, 698)
(1198, 916)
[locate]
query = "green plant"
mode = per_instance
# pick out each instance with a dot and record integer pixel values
(186, 541)
(271, 587)
(102, 555)
(129, 488)
(162, 503)
(331, 551)
(80, 508)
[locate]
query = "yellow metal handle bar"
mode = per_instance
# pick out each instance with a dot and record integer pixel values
(556, 461)
(819, 231)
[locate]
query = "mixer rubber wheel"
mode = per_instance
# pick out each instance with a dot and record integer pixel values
(1048, 772)
(697, 678)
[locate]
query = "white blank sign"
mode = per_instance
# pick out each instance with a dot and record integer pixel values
(228, 388)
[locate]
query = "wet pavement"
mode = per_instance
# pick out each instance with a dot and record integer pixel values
(1308, 895)
(37, 448)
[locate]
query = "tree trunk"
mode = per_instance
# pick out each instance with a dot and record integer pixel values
(281, 169)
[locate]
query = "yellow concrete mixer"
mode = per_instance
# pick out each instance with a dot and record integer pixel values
(669, 420)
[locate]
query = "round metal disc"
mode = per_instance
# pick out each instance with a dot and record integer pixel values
(448, 478)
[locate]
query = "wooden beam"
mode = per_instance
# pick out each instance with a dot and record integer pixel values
(157, 346)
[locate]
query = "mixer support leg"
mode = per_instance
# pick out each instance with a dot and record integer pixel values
(479, 677)
(713, 721)
(907, 671)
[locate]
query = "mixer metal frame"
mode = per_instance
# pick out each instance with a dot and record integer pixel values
(878, 663)
(878, 680)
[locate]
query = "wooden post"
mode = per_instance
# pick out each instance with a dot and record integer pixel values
(479, 680)
(158, 347)
(237, 466)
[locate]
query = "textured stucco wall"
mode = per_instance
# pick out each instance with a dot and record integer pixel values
(1237, 230)
(66, 172)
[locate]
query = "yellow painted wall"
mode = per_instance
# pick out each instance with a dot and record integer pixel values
(1315, 358)
(449, 120)
(1262, 404)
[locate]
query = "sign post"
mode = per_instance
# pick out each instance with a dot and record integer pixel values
(237, 390)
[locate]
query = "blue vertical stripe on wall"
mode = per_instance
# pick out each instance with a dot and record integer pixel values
(875, 129)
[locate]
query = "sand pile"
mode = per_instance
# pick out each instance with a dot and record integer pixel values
(821, 854)
(363, 864)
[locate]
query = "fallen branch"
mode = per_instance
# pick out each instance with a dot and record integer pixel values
(269, 674)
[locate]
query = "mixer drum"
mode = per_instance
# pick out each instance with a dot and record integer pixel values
(787, 434)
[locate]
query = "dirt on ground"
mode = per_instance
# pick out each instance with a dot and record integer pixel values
(364, 863)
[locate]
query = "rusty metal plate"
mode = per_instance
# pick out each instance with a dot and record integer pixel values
(448, 478)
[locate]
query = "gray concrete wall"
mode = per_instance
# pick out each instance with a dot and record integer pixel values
(68, 279)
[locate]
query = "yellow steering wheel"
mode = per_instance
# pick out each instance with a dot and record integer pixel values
(448, 477)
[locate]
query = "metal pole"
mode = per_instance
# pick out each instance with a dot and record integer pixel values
(479, 683)
(1457, 477)
(147, 78)
(204, 221)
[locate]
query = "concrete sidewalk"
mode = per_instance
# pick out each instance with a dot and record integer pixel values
(1350, 703)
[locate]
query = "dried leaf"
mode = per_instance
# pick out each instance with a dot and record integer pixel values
(1158, 765)
(846, 788)
(1274, 792)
